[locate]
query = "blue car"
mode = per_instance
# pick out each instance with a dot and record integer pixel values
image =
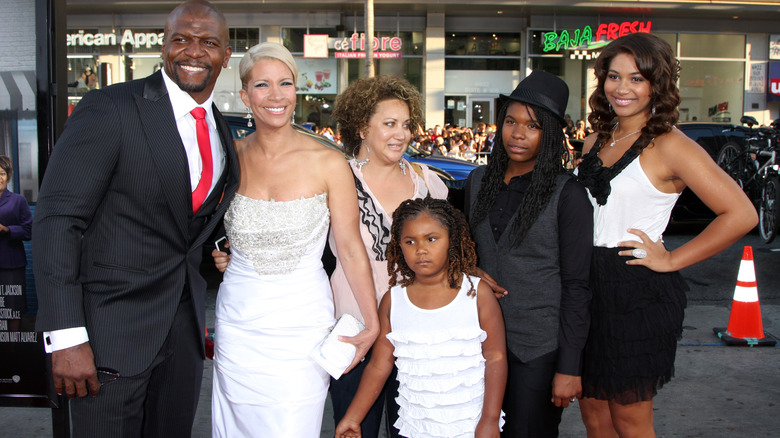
(452, 171)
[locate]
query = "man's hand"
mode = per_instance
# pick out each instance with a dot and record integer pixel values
(73, 370)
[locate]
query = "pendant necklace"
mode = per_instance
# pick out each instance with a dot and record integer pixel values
(621, 138)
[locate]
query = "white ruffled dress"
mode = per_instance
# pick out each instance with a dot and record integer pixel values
(441, 369)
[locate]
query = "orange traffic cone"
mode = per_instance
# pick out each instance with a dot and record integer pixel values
(745, 326)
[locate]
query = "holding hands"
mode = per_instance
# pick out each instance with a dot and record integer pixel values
(566, 389)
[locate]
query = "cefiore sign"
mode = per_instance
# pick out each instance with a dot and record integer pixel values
(586, 39)
(136, 39)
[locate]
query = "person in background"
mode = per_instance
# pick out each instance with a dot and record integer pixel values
(89, 78)
(327, 132)
(532, 224)
(635, 166)
(375, 117)
(134, 187)
(580, 133)
(490, 139)
(15, 227)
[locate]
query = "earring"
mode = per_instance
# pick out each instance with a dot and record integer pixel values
(248, 117)
(403, 166)
(610, 108)
(363, 162)
(652, 110)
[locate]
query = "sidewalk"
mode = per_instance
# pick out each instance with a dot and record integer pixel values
(718, 391)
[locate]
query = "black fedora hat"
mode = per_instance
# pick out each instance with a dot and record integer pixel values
(541, 89)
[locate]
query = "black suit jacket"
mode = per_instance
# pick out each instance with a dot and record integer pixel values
(115, 241)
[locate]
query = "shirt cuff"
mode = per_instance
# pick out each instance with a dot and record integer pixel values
(65, 338)
(569, 361)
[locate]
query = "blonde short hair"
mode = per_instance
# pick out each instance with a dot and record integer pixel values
(266, 50)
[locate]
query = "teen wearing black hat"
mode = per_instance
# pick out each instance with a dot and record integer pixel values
(635, 166)
(533, 227)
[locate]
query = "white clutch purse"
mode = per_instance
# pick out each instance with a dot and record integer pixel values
(333, 355)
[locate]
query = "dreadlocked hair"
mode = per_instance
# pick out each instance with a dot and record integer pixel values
(549, 164)
(461, 253)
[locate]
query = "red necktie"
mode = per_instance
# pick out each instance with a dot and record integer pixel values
(204, 146)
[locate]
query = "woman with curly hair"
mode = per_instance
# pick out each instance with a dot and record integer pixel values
(376, 116)
(635, 166)
(532, 224)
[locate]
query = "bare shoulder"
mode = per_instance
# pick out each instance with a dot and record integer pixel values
(675, 144)
(485, 294)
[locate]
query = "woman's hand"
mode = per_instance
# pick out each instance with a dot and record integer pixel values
(498, 291)
(348, 429)
(221, 259)
(363, 342)
(657, 257)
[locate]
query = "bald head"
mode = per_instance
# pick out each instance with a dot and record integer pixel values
(196, 47)
(197, 8)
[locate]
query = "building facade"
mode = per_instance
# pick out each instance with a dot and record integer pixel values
(460, 54)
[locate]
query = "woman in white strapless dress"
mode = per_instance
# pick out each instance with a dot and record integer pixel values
(275, 303)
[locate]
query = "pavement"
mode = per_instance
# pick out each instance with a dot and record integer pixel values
(718, 391)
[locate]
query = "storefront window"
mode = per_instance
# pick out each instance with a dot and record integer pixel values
(712, 91)
(407, 68)
(242, 38)
(482, 51)
(712, 80)
(483, 44)
(700, 45)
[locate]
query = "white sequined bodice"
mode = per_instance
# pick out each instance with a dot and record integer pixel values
(274, 236)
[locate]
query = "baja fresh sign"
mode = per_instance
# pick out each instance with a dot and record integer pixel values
(586, 39)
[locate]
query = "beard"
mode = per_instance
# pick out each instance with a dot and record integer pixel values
(192, 87)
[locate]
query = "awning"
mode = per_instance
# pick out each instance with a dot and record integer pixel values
(17, 90)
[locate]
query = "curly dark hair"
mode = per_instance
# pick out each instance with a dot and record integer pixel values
(461, 253)
(549, 164)
(355, 106)
(657, 64)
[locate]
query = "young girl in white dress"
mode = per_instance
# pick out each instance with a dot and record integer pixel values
(441, 326)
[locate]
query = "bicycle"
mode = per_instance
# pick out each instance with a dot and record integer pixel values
(755, 169)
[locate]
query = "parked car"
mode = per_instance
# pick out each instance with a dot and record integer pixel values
(452, 171)
(712, 137)
(459, 169)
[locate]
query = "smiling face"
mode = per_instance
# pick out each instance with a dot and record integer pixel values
(388, 133)
(270, 93)
(195, 49)
(626, 89)
(522, 136)
(425, 244)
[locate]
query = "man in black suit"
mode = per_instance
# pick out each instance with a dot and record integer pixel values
(119, 237)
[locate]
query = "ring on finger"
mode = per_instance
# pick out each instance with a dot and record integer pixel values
(639, 253)
(573, 399)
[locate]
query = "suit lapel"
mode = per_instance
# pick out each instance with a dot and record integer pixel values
(165, 146)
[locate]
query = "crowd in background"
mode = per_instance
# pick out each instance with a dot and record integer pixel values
(466, 143)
